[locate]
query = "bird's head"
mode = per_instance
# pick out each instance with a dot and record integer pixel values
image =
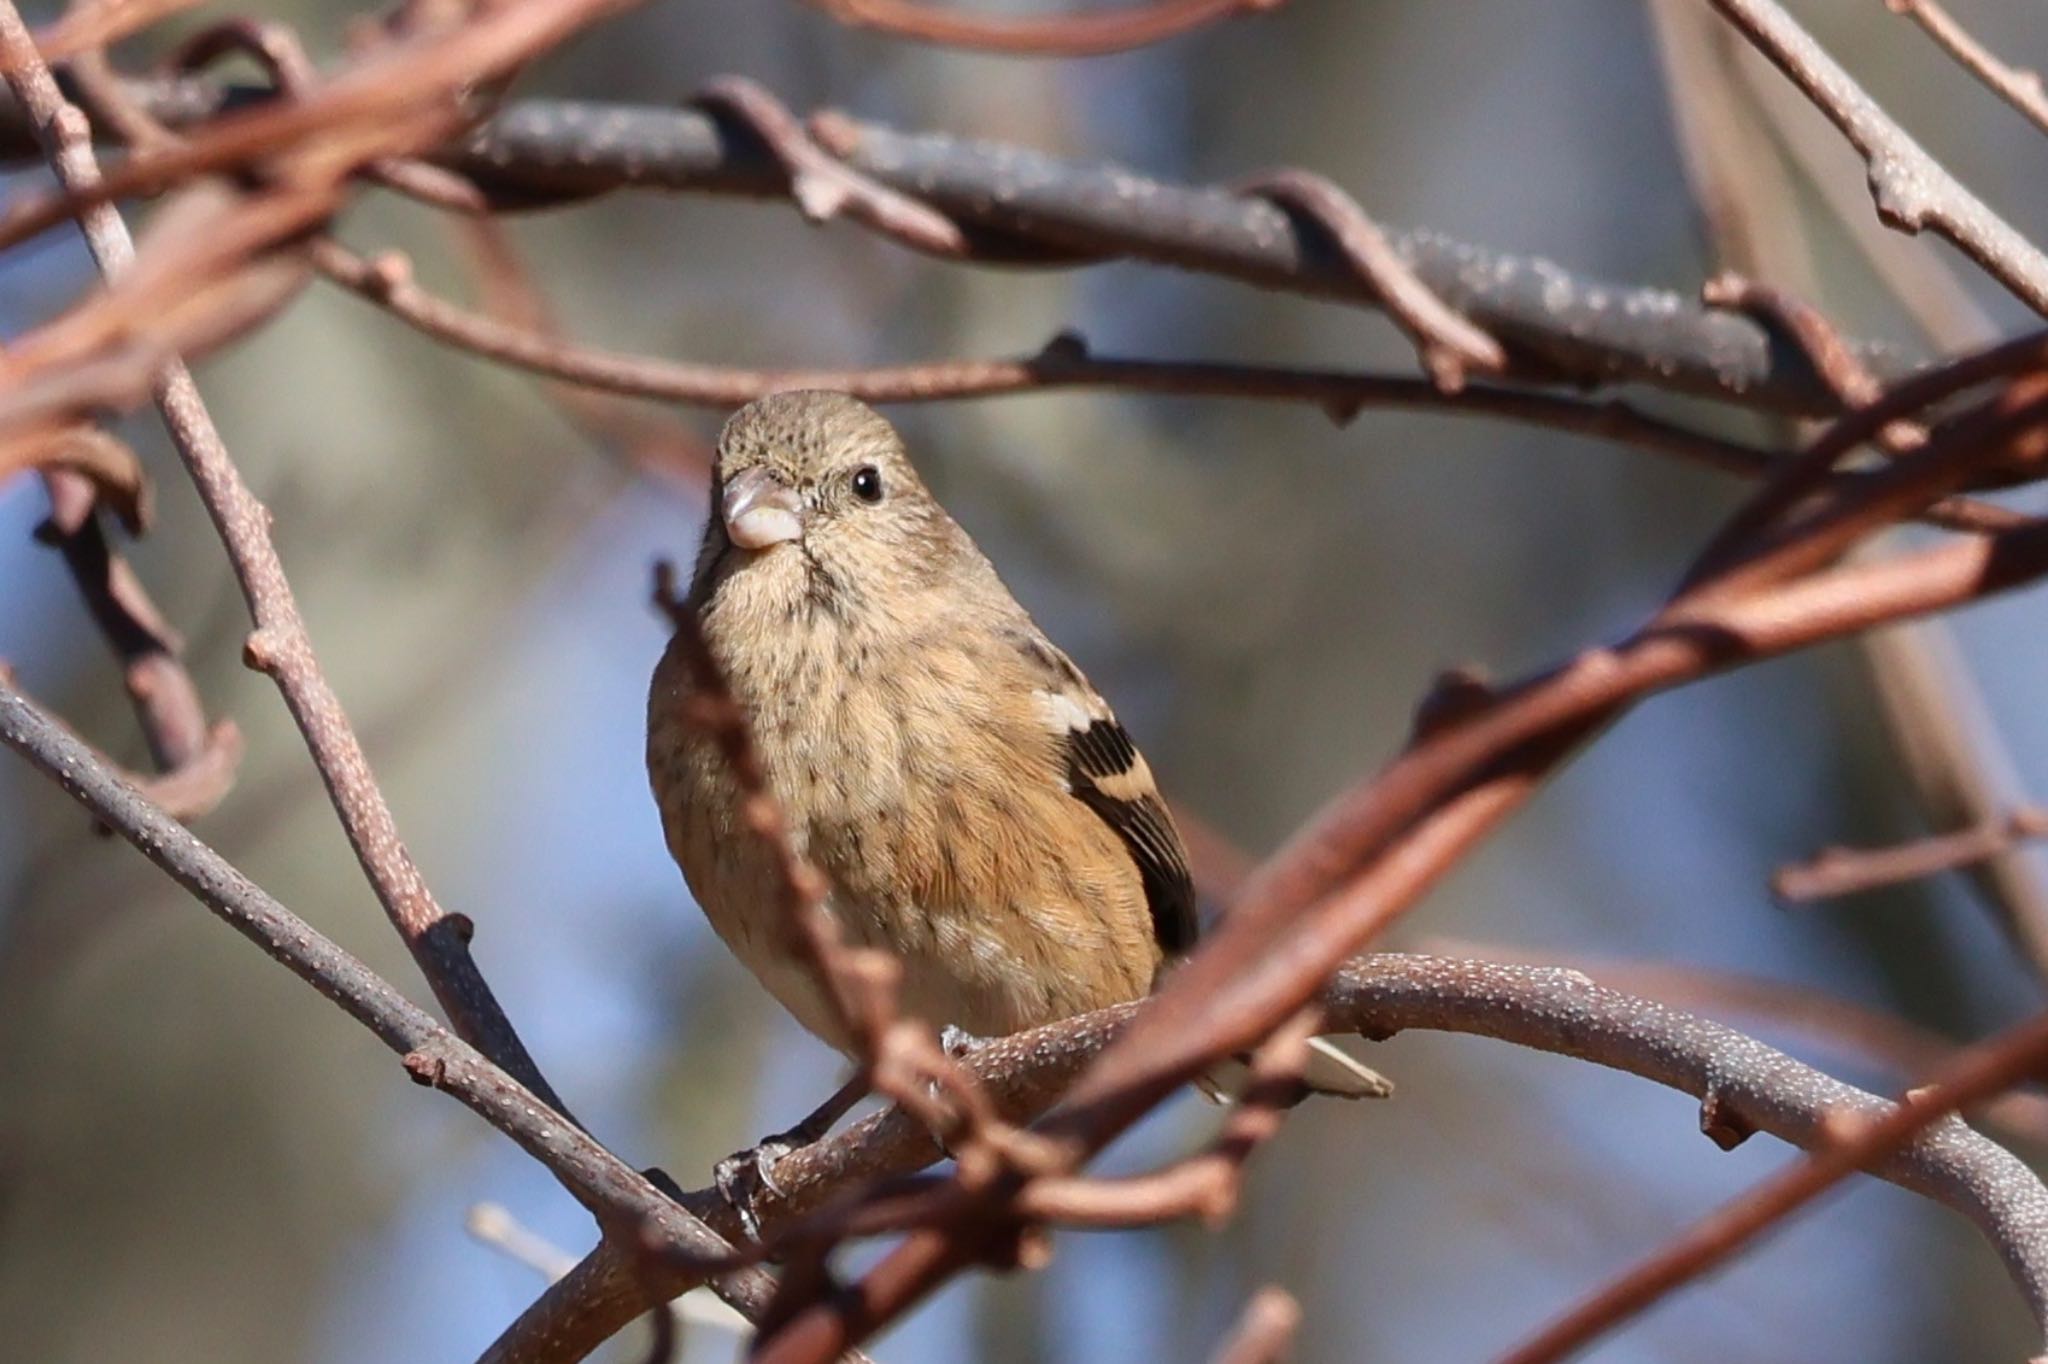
(818, 484)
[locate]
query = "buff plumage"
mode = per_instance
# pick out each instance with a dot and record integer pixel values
(975, 805)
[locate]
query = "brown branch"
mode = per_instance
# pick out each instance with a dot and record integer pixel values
(195, 760)
(1912, 190)
(106, 466)
(1377, 849)
(2017, 87)
(1961, 771)
(394, 101)
(92, 26)
(218, 263)
(822, 186)
(1016, 203)
(1206, 1185)
(279, 644)
(1264, 1331)
(1851, 1141)
(433, 1056)
(1065, 35)
(1445, 342)
(1841, 871)
(387, 282)
(1749, 1088)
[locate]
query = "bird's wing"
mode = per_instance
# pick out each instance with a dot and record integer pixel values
(1105, 772)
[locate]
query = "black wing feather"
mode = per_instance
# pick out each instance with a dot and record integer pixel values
(1104, 752)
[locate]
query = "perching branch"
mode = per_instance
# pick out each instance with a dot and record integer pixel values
(433, 1056)
(1378, 848)
(1743, 1087)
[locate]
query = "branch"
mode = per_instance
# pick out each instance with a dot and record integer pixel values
(1835, 872)
(195, 760)
(1743, 1085)
(1377, 849)
(1021, 204)
(1064, 362)
(433, 1056)
(387, 282)
(1264, 1330)
(2019, 88)
(1064, 35)
(279, 644)
(1851, 1141)
(1911, 189)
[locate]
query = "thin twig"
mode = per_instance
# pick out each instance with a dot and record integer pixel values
(822, 186)
(1961, 771)
(1913, 191)
(279, 644)
(1851, 1142)
(433, 1055)
(2017, 87)
(1447, 344)
(1065, 362)
(195, 760)
(1838, 871)
(1747, 1086)
(1264, 1331)
(1015, 200)
(1062, 35)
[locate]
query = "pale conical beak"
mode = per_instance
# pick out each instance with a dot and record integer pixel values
(761, 510)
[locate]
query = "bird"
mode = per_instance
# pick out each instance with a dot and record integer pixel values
(974, 805)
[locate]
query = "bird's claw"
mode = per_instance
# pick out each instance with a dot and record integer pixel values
(958, 1042)
(744, 1176)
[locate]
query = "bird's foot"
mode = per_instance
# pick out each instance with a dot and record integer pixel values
(744, 1176)
(958, 1042)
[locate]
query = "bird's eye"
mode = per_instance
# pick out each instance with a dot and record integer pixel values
(867, 483)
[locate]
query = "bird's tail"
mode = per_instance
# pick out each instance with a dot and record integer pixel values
(1330, 1070)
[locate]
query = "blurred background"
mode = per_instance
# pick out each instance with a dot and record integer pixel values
(199, 1161)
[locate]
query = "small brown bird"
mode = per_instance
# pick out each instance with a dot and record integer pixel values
(976, 807)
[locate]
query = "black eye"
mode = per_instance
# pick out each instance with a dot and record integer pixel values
(867, 483)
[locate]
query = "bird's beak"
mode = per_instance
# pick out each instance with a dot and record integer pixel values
(761, 510)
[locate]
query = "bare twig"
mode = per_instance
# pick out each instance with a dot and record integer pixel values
(821, 185)
(95, 24)
(1446, 343)
(1913, 191)
(2019, 88)
(1014, 200)
(1065, 35)
(1747, 1087)
(1839, 871)
(1961, 771)
(1852, 1142)
(104, 464)
(279, 644)
(195, 760)
(1264, 1330)
(433, 1056)
(1065, 362)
